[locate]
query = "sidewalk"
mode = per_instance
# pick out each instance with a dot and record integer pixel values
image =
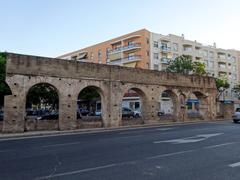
(35, 134)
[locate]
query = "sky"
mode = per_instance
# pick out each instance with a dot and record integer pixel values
(54, 27)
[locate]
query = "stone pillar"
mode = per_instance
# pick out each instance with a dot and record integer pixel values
(14, 108)
(181, 109)
(112, 105)
(227, 110)
(67, 111)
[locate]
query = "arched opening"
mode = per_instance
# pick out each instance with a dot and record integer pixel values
(90, 110)
(4, 91)
(167, 105)
(133, 107)
(195, 103)
(42, 104)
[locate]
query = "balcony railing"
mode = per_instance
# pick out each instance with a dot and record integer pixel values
(126, 60)
(164, 48)
(126, 48)
(165, 60)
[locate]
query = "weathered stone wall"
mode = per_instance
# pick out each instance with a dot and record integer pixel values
(70, 77)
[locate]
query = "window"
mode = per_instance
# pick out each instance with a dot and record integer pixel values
(99, 54)
(91, 55)
(107, 52)
(222, 65)
(222, 55)
(130, 43)
(147, 40)
(155, 44)
(155, 56)
(175, 46)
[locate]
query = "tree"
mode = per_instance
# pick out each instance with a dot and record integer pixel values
(199, 68)
(42, 94)
(4, 89)
(236, 89)
(184, 64)
(222, 85)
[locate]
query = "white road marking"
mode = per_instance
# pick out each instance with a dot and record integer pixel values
(63, 144)
(169, 154)
(234, 165)
(164, 129)
(220, 145)
(77, 172)
(192, 139)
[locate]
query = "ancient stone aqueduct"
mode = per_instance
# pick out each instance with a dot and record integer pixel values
(70, 77)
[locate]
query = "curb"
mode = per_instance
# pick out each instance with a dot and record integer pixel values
(36, 134)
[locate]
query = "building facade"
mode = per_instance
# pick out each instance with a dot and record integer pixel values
(148, 50)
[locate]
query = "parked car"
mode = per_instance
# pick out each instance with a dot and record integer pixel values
(83, 112)
(137, 114)
(127, 112)
(236, 116)
(98, 113)
(1, 115)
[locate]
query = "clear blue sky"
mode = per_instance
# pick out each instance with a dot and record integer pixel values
(53, 27)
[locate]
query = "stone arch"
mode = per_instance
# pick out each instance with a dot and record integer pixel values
(137, 103)
(39, 117)
(86, 116)
(197, 105)
(168, 102)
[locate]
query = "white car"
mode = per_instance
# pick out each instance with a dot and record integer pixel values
(236, 116)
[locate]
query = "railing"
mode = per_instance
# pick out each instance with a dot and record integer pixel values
(125, 48)
(126, 59)
(165, 60)
(164, 48)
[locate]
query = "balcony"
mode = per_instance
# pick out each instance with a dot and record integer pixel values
(128, 59)
(126, 48)
(165, 60)
(165, 48)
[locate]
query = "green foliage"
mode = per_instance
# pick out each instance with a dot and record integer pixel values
(236, 89)
(42, 94)
(199, 68)
(4, 89)
(89, 93)
(182, 64)
(222, 83)
(2, 66)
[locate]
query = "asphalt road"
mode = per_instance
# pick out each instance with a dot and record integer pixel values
(206, 151)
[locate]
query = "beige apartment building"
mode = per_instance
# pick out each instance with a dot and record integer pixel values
(148, 50)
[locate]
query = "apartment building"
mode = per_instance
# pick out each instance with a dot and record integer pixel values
(148, 50)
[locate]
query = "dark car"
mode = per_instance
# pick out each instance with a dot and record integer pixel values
(83, 112)
(54, 116)
(127, 112)
(1, 116)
